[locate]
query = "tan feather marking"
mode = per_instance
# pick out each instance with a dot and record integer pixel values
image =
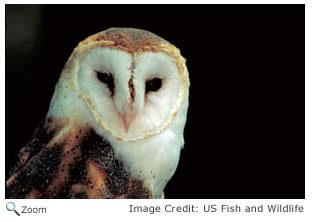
(71, 152)
(127, 39)
(98, 180)
(34, 194)
(78, 188)
(11, 180)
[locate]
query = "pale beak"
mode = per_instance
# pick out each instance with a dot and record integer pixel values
(126, 119)
(127, 116)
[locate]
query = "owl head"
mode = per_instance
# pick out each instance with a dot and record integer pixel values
(129, 82)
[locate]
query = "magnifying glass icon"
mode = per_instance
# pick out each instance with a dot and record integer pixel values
(11, 207)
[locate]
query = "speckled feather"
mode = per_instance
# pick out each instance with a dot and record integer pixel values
(87, 168)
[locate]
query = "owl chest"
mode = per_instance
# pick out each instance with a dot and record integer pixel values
(153, 160)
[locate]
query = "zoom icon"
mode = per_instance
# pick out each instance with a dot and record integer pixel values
(11, 207)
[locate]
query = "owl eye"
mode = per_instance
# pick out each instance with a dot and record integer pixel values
(107, 79)
(153, 85)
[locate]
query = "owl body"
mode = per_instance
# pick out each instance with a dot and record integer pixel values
(115, 124)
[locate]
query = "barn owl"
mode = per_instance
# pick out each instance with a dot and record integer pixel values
(114, 128)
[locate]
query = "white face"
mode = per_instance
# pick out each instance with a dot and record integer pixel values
(130, 95)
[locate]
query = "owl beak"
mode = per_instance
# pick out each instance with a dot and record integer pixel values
(127, 118)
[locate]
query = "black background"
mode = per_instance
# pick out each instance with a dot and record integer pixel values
(246, 123)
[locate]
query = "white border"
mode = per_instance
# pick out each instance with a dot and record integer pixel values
(82, 210)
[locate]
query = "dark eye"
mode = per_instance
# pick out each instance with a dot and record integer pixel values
(107, 79)
(153, 85)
